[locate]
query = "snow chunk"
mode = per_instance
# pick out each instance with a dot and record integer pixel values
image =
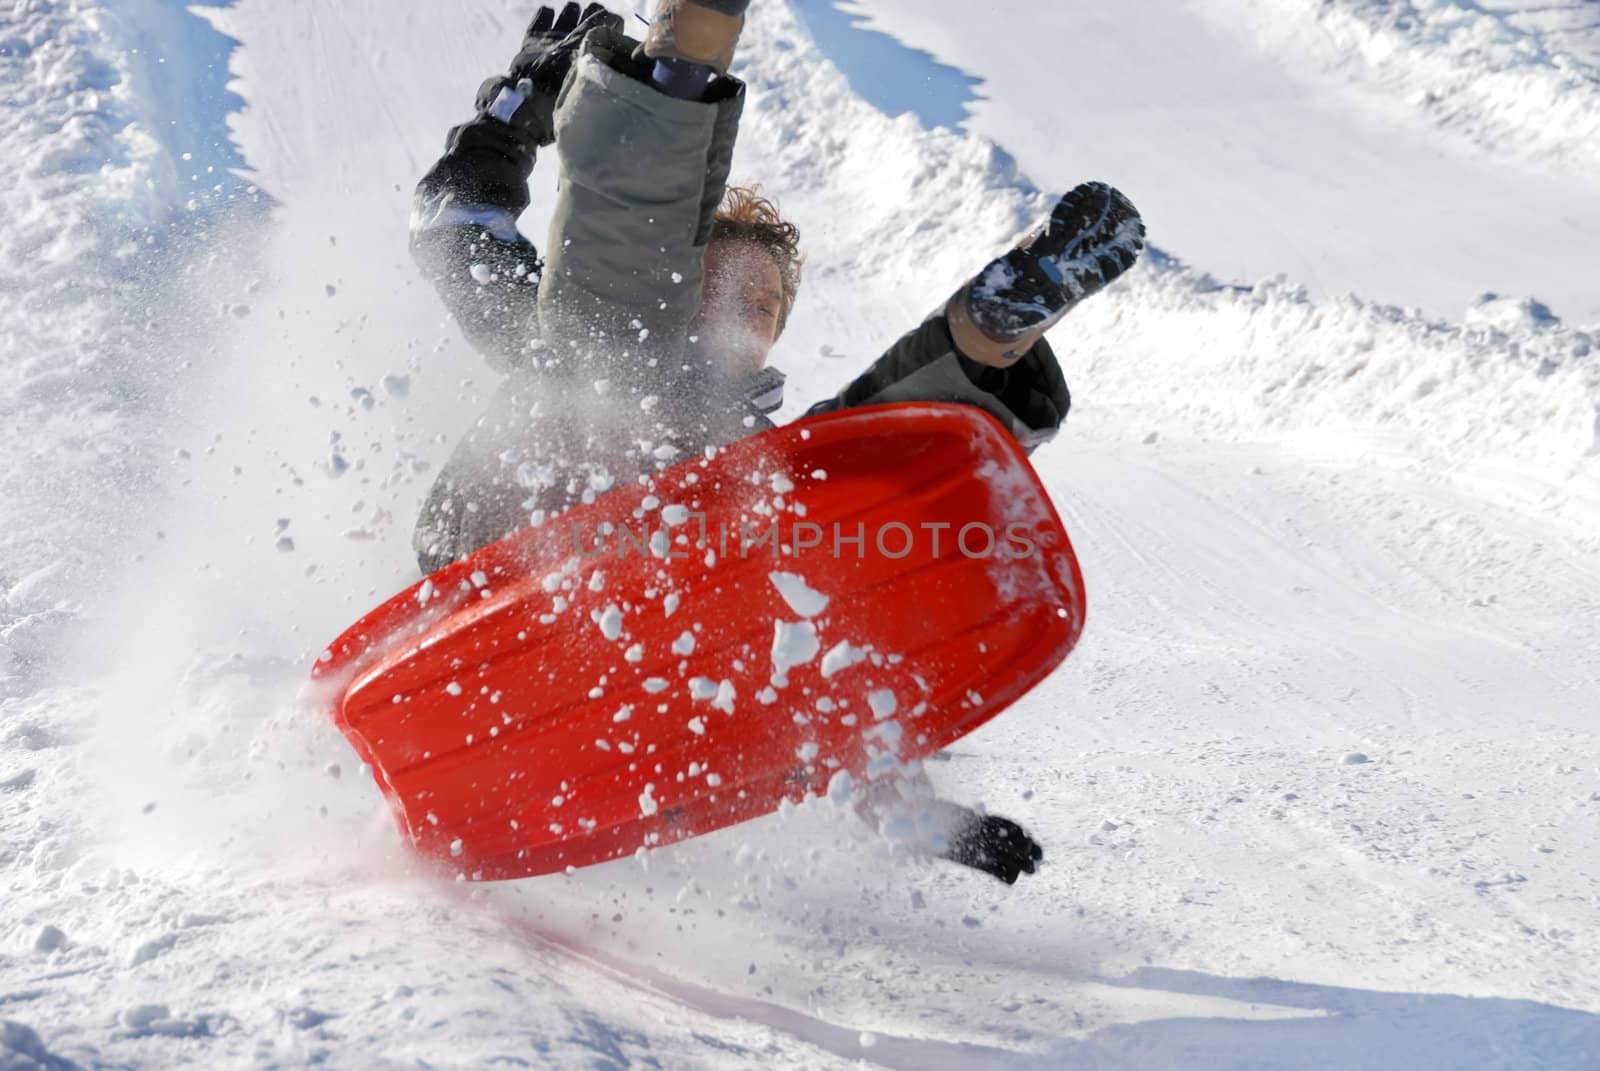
(842, 656)
(882, 702)
(890, 732)
(793, 644)
(611, 622)
(800, 596)
(647, 802)
(684, 644)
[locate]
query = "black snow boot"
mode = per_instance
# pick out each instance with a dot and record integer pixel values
(1093, 235)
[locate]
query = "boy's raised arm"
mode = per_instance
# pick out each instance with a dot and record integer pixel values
(464, 233)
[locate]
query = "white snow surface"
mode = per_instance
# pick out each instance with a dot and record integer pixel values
(1320, 787)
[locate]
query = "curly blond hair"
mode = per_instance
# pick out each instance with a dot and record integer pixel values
(746, 216)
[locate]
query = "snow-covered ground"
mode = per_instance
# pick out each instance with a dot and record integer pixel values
(1319, 789)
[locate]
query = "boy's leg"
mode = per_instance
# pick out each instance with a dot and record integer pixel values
(642, 173)
(925, 365)
(1092, 236)
(986, 346)
(698, 32)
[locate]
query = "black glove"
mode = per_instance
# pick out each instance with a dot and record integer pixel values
(540, 68)
(552, 40)
(995, 846)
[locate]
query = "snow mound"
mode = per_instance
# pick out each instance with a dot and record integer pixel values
(108, 197)
(1508, 399)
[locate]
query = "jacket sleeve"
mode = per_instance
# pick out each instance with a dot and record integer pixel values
(464, 233)
(1030, 398)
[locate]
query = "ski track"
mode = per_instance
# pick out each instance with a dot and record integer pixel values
(1312, 529)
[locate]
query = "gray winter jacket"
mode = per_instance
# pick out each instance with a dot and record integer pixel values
(603, 383)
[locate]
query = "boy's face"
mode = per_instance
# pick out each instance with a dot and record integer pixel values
(738, 318)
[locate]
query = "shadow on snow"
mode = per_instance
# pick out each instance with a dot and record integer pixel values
(892, 77)
(1344, 1028)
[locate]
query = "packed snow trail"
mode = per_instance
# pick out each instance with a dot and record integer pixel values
(1317, 791)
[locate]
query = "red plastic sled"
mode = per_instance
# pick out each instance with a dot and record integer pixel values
(849, 591)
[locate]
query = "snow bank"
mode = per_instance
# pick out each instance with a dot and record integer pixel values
(1508, 401)
(1513, 76)
(67, 134)
(108, 201)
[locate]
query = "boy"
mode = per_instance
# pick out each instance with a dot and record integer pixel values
(643, 335)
